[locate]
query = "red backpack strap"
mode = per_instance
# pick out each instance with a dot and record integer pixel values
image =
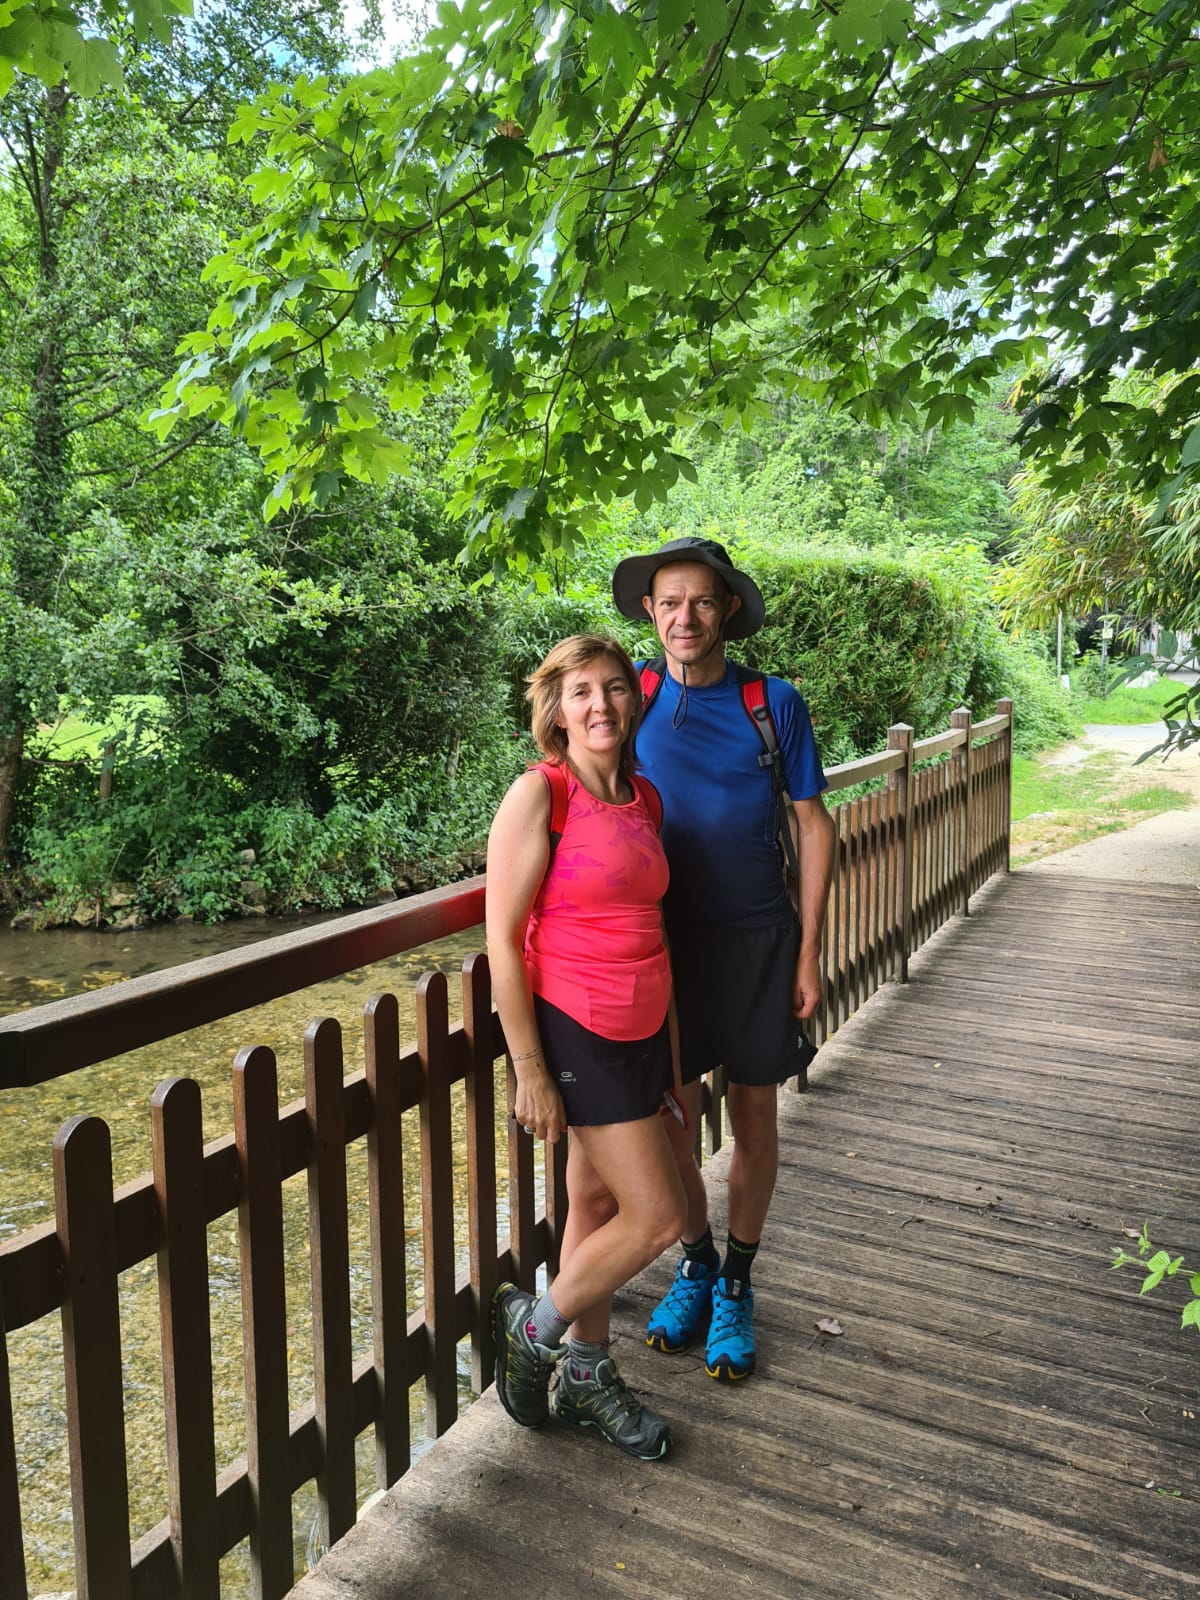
(555, 775)
(652, 674)
(753, 688)
(651, 799)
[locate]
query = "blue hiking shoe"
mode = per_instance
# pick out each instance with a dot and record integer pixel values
(677, 1318)
(729, 1354)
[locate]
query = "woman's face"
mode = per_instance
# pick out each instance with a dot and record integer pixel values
(596, 707)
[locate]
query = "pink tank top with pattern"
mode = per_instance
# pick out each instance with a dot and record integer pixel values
(594, 945)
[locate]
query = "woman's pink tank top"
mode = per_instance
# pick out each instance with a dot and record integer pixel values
(594, 944)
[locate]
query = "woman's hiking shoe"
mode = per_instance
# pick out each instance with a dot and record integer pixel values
(523, 1367)
(677, 1318)
(601, 1400)
(729, 1353)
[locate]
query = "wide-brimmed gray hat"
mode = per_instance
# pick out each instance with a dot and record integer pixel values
(633, 577)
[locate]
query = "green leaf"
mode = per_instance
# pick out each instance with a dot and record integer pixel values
(364, 300)
(92, 65)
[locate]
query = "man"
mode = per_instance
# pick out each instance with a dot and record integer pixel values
(745, 974)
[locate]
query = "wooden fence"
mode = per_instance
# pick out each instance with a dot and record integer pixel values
(909, 857)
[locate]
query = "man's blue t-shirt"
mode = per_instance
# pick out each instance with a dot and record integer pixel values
(718, 803)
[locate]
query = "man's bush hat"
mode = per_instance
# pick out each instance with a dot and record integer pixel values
(633, 577)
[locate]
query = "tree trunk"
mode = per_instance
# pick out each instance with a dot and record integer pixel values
(10, 768)
(49, 463)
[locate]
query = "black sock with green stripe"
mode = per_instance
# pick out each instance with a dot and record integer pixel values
(738, 1259)
(700, 1259)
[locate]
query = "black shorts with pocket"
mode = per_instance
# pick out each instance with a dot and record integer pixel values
(603, 1080)
(733, 992)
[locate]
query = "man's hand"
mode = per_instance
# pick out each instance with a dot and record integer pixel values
(807, 988)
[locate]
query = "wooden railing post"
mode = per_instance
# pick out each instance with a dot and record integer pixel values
(83, 1201)
(1004, 708)
(961, 718)
(900, 737)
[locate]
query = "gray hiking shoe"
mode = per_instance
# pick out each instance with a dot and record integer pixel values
(523, 1367)
(602, 1401)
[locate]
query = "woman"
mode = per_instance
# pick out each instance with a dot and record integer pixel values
(582, 982)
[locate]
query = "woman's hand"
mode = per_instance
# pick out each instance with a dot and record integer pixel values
(538, 1105)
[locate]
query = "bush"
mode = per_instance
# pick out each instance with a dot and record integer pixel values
(870, 640)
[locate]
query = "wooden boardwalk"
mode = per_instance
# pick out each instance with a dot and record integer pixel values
(1002, 1417)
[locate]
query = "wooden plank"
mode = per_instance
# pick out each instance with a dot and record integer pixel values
(389, 1271)
(83, 1204)
(329, 1265)
(178, 1145)
(264, 1320)
(849, 773)
(437, 1203)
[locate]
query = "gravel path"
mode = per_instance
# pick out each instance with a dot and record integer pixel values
(1162, 849)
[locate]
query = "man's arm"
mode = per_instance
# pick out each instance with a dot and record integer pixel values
(818, 845)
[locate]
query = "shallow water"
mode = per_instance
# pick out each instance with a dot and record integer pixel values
(36, 968)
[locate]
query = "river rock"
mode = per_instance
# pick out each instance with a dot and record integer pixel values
(23, 921)
(252, 892)
(84, 914)
(247, 858)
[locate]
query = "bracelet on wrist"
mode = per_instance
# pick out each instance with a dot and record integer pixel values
(530, 1055)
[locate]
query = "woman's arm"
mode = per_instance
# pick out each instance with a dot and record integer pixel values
(518, 853)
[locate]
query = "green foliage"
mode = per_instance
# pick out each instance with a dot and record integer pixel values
(1157, 1265)
(178, 837)
(1103, 546)
(595, 211)
(873, 640)
(61, 42)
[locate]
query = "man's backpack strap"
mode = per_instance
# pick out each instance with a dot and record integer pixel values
(753, 687)
(652, 675)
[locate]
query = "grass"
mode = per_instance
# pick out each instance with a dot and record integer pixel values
(1057, 806)
(71, 737)
(1126, 706)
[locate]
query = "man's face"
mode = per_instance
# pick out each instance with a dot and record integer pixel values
(687, 604)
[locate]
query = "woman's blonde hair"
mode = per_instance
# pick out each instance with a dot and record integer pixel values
(545, 692)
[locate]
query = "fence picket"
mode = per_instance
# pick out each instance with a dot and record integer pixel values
(83, 1203)
(264, 1320)
(481, 1161)
(329, 1261)
(178, 1142)
(437, 1203)
(12, 1543)
(389, 1268)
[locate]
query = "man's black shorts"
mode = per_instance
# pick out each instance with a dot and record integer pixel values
(733, 992)
(603, 1080)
